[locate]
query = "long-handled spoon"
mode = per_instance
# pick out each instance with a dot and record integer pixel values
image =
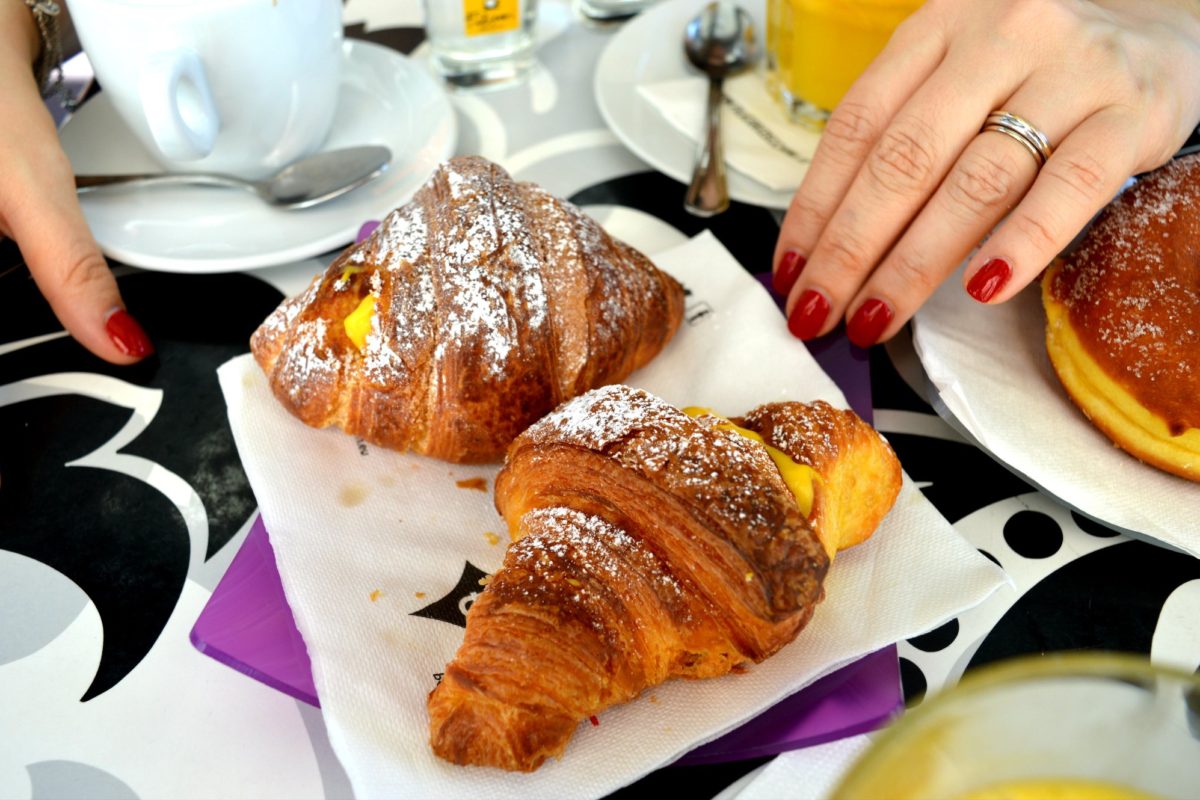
(301, 184)
(720, 42)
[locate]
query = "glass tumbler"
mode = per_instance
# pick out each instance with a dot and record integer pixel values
(479, 42)
(1083, 726)
(816, 49)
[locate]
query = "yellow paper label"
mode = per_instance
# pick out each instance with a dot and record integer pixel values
(484, 17)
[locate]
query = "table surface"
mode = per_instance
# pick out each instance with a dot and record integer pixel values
(103, 572)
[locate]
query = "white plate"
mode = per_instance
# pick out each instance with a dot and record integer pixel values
(649, 49)
(385, 99)
(993, 380)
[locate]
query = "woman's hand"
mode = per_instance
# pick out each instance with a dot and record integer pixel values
(40, 211)
(904, 185)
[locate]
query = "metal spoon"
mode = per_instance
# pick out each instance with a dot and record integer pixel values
(720, 42)
(301, 184)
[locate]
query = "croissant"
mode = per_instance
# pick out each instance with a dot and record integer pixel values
(650, 544)
(472, 311)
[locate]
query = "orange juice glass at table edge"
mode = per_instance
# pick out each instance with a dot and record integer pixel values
(817, 48)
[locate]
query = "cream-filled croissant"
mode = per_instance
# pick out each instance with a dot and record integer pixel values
(650, 543)
(472, 311)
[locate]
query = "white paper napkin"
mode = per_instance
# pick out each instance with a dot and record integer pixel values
(365, 537)
(990, 369)
(760, 141)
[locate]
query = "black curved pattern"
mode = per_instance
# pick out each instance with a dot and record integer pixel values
(106, 528)
(1033, 534)
(1107, 600)
(452, 606)
(116, 537)
(961, 478)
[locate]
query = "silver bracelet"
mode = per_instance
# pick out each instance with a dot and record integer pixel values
(48, 67)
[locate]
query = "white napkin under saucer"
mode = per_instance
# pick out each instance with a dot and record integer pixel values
(761, 142)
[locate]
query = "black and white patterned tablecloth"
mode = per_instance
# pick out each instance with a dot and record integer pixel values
(122, 499)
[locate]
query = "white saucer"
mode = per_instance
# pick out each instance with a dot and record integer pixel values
(993, 381)
(649, 49)
(385, 99)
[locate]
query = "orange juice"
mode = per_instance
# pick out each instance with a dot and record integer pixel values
(1058, 789)
(817, 48)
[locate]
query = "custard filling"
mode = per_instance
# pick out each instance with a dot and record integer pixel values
(1106, 401)
(358, 322)
(799, 478)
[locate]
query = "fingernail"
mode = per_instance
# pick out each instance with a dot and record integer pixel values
(809, 315)
(790, 267)
(990, 279)
(869, 322)
(127, 334)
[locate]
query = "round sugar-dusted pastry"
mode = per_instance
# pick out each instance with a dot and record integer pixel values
(1123, 319)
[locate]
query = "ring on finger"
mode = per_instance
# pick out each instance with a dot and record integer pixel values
(1022, 131)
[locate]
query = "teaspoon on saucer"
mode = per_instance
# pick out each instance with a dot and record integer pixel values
(719, 41)
(301, 184)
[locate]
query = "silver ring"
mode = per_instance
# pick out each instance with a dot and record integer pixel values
(1011, 125)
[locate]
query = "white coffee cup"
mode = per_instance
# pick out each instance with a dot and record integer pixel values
(241, 87)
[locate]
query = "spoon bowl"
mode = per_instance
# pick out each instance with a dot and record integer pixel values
(302, 184)
(720, 42)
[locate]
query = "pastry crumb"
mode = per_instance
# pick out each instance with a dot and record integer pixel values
(353, 495)
(491, 537)
(478, 484)
(419, 595)
(653, 698)
(375, 595)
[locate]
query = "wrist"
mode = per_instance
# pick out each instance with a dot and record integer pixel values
(19, 34)
(30, 32)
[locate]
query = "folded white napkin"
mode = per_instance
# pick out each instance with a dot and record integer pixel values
(366, 537)
(811, 773)
(760, 141)
(990, 369)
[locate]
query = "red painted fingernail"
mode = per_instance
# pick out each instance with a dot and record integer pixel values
(790, 267)
(127, 334)
(990, 279)
(869, 322)
(809, 315)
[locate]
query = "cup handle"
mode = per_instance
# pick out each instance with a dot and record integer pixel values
(179, 106)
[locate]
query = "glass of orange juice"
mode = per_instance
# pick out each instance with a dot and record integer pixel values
(1076, 726)
(816, 48)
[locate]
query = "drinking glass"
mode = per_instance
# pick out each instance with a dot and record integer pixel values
(816, 49)
(476, 42)
(1078, 725)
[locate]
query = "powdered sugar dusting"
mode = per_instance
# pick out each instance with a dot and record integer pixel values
(575, 237)
(310, 357)
(730, 476)
(592, 556)
(804, 431)
(465, 278)
(1133, 285)
(603, 416)
(491, 268)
